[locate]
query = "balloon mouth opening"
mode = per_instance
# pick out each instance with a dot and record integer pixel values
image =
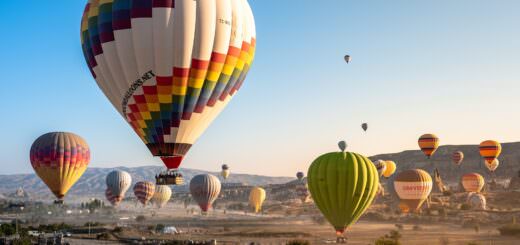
(339, 232)
(172, 162)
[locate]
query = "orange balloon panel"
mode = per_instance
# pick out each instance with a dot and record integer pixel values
(472, 182)
(428, 144)
(490, 150)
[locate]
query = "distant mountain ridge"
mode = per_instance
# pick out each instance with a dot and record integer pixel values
(92, 183)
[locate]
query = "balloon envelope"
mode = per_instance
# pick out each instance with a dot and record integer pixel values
(162, 195)
(204, 188)
(457, 157)
(493, 165)
(300, 175)
(111, 198)
(256, 198)
(343, 185)
(59, 159)
(364, 126)
(380, 166)
(118, 182)
(390, 168)
(473, 182)
(144, 191)
(168, 67)
(428, 144)
(413, 187)
(490, 150)
(225, 173)
(347, 58)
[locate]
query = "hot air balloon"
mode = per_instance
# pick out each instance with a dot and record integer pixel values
(299, 175)
(390, 168)
(364, 126)
(457, 157)
(144, 191)
(347, 58)
(225, 171)
(477, 201)
(256, 198)
(162, 195)
(428, 144)
(169, 67)
(413, 187)
(204, 188)
(472, 182)
(59, 159)
(118, 183)
(343, 185)
(111, 198)
(492, 166)
(380, 166)
(490, 150)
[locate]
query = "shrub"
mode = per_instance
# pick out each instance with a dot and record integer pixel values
(140, 218)
(417, 228)
(399, 226)
(509, 230)
(465, 206)
(298, 242)
(103, 236)
(389, 239)
(118, 229)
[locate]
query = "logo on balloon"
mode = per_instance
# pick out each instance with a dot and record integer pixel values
(137, 84)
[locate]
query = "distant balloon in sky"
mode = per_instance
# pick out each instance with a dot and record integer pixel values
(364, 126)
(162, 195)
(428, 144)
(347, 58)
(225, 171)
(492, 166)
(256, 198)
(299, 175)
(118, 182)
(343, 185)
(205, 188)
(169, 67)
(390, 168)
(380, 166)
(413, 187)
(144, 191)
(342, 145)
(490, 150)
(472, 182)
(457, 157)
(59, 159)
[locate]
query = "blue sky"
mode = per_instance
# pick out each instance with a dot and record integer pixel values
(446, 67)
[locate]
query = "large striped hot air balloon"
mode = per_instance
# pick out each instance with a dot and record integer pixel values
(473, 182)
(413, 187)
(343, 185)
(59, 159)
(169, 67)
(457, 157)
(162, 195)
(111, 198)
(492, 166)
(144, 191)
(256, 198)
(118, 182)
(390, 168)
(490, 150)
(428, 144)
(204, 188)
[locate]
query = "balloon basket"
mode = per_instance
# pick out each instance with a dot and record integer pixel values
(58, 202)
(169, 178)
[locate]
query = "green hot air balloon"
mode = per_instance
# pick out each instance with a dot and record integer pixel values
(343, 185)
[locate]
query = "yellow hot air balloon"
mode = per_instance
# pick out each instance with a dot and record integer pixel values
(390, 168)
(256, 198)
(413, 187)
(162, 195)
(343, 185)
(473, 182)
(60, 159)
(428, 144)
(490, 150)
(169, 67)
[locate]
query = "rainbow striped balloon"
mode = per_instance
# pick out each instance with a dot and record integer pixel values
(60, 159)
(428, 144)
(169, 67)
